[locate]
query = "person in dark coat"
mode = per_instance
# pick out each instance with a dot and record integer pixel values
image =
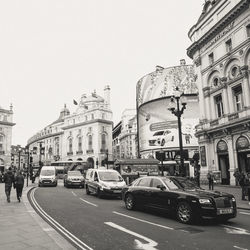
(243, 184)
(210, 178)
(19, 182)
(9, 181)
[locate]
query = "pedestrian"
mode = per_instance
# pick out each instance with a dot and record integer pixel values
(210, 178)
(19, 182)
(9, 181)
(242, 182)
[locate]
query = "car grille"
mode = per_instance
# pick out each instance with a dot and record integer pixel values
(46, 181)
(223, 202)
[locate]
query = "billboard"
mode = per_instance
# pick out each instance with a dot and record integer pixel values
(158, 127)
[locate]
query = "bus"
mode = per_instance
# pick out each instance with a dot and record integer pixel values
(62, 167)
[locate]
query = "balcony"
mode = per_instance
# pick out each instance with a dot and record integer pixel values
(80, 152)
(70, 153)
(2, 152)
(90, 151)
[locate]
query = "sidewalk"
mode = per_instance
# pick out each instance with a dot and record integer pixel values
(235, 191)
(22, 228)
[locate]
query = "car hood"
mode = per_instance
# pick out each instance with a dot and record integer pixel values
(205, 193)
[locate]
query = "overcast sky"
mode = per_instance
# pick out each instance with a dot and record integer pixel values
(53, 51)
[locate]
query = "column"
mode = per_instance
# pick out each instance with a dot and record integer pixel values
(231, 157)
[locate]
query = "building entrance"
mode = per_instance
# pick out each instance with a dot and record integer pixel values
(243, 154)
(224, 168)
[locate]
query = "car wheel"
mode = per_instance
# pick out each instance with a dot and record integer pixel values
(87, 190)
(184, 213)
(162, 142)
(130, 202)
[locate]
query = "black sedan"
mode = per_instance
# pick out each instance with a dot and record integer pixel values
(180, 196)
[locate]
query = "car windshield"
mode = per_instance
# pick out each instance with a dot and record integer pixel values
(185, 183)
(110, 176)
(47, 172)
(172, 185)
(159, 133)
(74, 173)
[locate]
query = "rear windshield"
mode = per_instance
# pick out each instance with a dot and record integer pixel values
(47, 172)
(110, 176)
(75, 173)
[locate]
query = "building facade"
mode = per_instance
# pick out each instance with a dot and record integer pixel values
(125, 136)
(221, 52)
(6, 124)
(18, 157)
(85, 135)
(157, 126)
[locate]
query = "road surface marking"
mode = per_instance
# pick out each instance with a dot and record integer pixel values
(73, 193)
(150, 245)
(240, 248)
(245, 213)
(89, 202)
(235, 230)
(58, 226)
(145, 221)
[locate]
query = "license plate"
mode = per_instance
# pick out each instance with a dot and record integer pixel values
(116, 191)
(225, 211)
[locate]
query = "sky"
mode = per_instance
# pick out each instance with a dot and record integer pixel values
(53, 51)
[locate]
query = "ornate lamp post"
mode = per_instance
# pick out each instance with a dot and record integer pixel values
(174, 107)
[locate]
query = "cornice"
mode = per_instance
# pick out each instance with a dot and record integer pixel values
(7, 123)
(223, 23)
(44, 137)
(87, 123)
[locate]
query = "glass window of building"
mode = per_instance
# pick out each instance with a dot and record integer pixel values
(248, 30)
(103, 141)
(238, 98)
(1, 138)
(90, 142)
(211, 58)
(92, 116)
(86, 117)
(219, 105)
(70, 145)
(79, 143)
(229, 45)
(103, 115)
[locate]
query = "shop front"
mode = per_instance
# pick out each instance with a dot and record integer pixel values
(243, 154)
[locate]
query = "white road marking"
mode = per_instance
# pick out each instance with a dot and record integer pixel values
(90, 203)
(245, 213)
(240, 248)
(235, 230)
(73, 193)
(150, 245)
(58, 226)
(145, 221)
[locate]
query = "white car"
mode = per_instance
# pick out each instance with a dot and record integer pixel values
(161, 137)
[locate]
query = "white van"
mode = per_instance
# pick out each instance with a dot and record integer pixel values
(104, 181)
(47, 176)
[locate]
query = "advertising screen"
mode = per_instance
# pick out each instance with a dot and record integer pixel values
(158, 127)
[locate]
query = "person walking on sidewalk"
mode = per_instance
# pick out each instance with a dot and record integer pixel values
(9, 181)
(243, 184)
(19, 182)
(210, 178)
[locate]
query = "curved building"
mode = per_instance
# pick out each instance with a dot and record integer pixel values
(84, 135)
(157, 126)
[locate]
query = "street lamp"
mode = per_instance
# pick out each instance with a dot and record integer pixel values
(177, 111)
(19, 157)
(162, 157)
(28, 163)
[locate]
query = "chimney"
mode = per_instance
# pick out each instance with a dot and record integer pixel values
(182, 62)
(107, 95)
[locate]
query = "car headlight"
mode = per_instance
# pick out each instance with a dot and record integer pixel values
(205, 201)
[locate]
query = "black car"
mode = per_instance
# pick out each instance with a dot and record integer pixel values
(180, 196)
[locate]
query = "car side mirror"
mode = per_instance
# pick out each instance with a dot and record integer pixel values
(161, 187)
(96, 179)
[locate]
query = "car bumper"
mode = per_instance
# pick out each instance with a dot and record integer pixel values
(48, 183)
(74, 183)
(112, 192)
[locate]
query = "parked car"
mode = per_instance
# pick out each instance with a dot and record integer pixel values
(179, 196)
(47, 176)
(104, 181)
(74, 179)
(161, 137)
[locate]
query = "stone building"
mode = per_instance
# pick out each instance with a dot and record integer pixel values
(18, 157)
(125, 136)
(84, 135)
(6, 124)
(221, 52)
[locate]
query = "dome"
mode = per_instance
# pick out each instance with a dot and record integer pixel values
(64, 112)
(91, 98)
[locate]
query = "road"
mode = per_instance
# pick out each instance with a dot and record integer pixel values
(106, 224)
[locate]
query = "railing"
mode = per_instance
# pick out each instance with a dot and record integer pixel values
(89, 151)
(70, 153)
(79, 152)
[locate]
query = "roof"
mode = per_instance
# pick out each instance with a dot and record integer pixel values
(137, 161)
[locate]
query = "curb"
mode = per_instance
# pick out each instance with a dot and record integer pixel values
(244, 208)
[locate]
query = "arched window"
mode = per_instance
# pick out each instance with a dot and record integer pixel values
(79, 143)
(70, 145)
(90, 142)
(103, 141)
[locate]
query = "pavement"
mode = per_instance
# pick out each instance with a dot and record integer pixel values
(235, 191)
(22, 228)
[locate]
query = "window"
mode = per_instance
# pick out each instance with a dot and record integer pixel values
(70, 145)
(211, 58)
(229, 45)
(92, 116)
(103, 141)
(248, 30)
(145, 182)
(234, 71)
(90, 142)
(219, 105)
(103, 116)
(79, 143)
(238, 98)
(1, 138)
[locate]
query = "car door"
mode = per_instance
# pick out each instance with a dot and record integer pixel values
(158, 194)
(142, 191)
(90, 181)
